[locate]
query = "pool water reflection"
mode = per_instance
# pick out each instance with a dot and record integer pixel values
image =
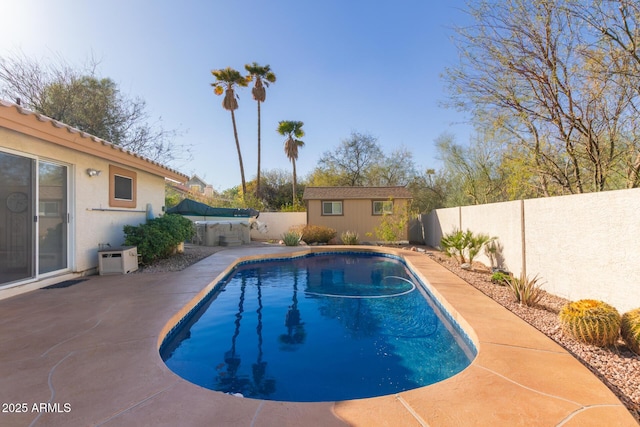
(317, 328)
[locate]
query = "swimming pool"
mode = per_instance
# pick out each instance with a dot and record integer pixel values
(319, 327)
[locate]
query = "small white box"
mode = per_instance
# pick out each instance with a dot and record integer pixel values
(118, 260)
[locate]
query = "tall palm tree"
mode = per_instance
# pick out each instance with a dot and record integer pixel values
(292, 130)
(226, 81)
(262, 75)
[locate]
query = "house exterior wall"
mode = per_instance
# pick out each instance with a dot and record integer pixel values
(357, 215)
(92, 223)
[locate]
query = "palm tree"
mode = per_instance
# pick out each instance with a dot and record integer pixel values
(262, 76)
(226, 81)
(292, 130)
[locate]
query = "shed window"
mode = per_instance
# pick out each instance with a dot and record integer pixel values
(122, 187)
(382, 207)
(332, 208)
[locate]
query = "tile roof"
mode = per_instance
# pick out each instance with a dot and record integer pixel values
(316, 193)
(89, 141)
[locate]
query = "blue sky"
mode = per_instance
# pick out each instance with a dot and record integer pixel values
(341, 66)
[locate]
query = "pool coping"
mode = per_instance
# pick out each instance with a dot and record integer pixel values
(95, 347)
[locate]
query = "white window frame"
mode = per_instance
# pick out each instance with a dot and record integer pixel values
(382, 207)
(333, 204)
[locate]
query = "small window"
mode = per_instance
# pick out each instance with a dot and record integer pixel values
(332, 208)
(122, 187)
(382, 207)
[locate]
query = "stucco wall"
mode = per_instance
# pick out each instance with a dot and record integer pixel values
(88, 227)
(582, 246)
(278, 223)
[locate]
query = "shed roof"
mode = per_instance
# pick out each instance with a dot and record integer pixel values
(317, 193)
(28, 122)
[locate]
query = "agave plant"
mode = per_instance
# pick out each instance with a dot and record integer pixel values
(292, 238)
(526, 291)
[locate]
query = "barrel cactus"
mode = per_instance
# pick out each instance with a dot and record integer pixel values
(630, 329)
(590, 321)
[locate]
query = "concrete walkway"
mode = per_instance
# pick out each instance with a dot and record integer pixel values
(87, 355)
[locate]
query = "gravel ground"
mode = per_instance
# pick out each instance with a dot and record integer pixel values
(617, 367)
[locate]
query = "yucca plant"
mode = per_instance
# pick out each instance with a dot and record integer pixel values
(630, 329)
(591, 321)
(526, 291)
(292, 238)
(349, 238)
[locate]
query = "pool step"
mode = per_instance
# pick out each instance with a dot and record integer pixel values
(229, 241)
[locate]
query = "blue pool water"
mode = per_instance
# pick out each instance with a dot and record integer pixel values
(317, 328)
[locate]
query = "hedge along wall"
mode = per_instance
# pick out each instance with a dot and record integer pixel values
(582, 246)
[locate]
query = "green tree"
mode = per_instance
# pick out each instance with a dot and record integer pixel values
(262, 76)
(227, 80)
(474, 171)
(429, 191)
(397, 169)
(92, 104)
(292, 130)
(536, 71)
(353, 160)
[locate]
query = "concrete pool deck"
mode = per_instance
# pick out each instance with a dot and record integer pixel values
(89, 353)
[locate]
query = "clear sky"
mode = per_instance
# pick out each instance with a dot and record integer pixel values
(341, 66)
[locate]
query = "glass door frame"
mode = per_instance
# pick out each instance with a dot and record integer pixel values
(36, 224)
(68, 218)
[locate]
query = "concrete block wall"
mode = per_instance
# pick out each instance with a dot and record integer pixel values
(582, 246)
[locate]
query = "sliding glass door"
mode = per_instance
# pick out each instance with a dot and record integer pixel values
(52, 217)
(17, 243)
(34, 218)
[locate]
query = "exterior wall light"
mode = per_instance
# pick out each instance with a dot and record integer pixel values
(93, 172)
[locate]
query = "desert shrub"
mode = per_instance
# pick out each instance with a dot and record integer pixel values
(158, 237)
(591, 321)
(526, 291)
(349, 238)
(500, 278)
(464, 246)
(317, 234)
(392, 226)
(630, 329)
(292, 238)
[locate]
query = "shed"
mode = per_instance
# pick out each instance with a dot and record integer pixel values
(356, 209)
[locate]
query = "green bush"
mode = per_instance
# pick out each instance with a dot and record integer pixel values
(630, 329)
(317, 234)
(500, 278)
(591, 321)
(463, 245)
(349, 238)
(292, 238)
(158, 237)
